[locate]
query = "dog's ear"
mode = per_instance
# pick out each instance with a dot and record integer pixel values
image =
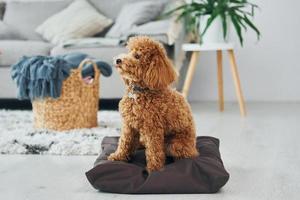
(160, 73)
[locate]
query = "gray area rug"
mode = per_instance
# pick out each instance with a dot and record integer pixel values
(17, 135)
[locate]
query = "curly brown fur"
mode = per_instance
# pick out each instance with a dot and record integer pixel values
(158, 117)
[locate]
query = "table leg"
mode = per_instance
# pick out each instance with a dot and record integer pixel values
(190, 73)
(220, 80)
(237, 83)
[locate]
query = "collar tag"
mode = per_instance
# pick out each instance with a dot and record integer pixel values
(132, 95)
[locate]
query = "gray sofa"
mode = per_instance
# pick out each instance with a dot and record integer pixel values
(26, 15)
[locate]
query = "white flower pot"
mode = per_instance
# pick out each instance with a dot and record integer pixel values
(214, 33)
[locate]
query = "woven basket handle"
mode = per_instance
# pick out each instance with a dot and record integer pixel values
(96, 70)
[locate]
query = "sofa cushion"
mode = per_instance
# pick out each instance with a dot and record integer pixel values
(166, 30)
(134, 14)
(13, 50)
(9, 33)
(105, 53)
(78, 20)
(25, 16)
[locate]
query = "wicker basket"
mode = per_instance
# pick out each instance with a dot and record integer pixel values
(76, 107)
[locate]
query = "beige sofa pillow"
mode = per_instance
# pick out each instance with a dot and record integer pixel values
(79, 19)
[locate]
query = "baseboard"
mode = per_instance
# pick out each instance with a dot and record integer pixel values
(15, 104)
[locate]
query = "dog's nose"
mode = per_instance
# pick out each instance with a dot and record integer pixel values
(118, 61)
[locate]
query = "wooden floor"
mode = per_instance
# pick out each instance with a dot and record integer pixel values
(261, 153)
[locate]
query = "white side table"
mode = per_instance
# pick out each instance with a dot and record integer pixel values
(218, 47)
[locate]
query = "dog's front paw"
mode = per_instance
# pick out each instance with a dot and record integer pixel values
(117, 157)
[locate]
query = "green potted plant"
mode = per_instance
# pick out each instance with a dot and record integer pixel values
(209, 20)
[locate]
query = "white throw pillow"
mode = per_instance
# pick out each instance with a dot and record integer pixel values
(79, 19)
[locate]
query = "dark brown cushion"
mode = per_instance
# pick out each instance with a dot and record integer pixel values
(203, 174)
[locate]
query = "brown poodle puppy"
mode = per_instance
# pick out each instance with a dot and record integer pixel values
(154, 115)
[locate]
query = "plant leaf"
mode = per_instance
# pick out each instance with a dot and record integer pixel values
(209, 21)
(224, 24)
(240, 20)
(237, 28)
(252, 26)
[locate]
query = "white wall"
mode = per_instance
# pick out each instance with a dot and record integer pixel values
(269, 69)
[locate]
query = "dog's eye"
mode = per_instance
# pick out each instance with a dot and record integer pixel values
(136, 56)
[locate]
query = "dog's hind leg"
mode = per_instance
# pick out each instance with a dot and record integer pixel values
(182, 145)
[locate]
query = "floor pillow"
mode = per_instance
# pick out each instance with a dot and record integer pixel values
(203, 174)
